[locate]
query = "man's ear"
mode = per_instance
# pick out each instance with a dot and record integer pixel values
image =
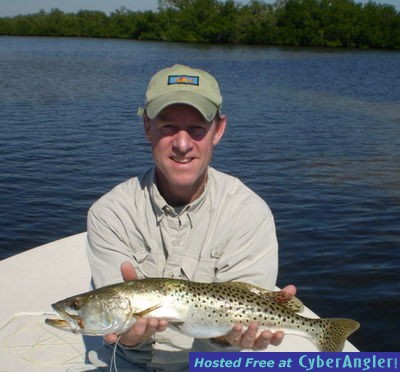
(147, 127)
(220, 129)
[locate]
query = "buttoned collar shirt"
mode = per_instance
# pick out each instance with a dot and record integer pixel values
(227, 234)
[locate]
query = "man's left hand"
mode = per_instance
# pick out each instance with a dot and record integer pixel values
(251, 338)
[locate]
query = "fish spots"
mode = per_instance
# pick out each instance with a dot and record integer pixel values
(205, 307)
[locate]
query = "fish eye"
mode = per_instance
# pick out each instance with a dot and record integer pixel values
(75, 305)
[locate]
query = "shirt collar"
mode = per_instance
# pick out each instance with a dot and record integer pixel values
(161, 207)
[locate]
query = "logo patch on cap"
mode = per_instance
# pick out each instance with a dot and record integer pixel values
(183, 79)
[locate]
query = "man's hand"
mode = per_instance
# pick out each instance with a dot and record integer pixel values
(251, 339)
(143, 328)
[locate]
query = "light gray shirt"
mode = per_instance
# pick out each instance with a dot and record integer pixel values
(227, 234)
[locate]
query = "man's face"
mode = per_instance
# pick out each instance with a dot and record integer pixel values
(182, 142)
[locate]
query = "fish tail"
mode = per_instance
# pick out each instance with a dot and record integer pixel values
(334, 333)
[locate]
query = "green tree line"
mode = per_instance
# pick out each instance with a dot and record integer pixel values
(331, 23)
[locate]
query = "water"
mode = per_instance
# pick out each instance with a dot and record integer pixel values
(315, 132)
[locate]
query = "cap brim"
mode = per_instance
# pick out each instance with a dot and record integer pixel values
(206, 108)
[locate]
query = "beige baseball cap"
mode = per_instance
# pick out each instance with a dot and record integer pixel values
(186, 85)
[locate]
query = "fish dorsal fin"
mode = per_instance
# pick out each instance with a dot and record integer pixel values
(144, 312)
(291, 303)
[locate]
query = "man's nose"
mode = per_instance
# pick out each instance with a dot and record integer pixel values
(182, 142)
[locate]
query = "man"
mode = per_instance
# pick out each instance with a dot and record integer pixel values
(181, 219)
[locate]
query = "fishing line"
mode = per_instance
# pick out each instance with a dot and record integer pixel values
(113, 362)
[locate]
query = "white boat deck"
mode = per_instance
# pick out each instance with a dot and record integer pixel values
(31, 282)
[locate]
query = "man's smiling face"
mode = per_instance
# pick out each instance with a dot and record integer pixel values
(182, 143)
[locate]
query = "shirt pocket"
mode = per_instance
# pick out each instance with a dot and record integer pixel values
(148, 264)
(199, 269)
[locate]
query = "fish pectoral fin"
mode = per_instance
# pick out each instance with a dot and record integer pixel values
(144, 312)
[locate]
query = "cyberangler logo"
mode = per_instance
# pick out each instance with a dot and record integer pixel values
(353, 361)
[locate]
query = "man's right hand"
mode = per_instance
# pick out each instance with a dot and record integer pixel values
(143, 328)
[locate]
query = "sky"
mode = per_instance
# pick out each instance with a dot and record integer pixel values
(9, 8)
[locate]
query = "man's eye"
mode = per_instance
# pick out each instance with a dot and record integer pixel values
(168, 129)
(197, 132)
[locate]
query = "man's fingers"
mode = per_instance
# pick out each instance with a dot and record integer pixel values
(140, 326)
(252, 338)
(277, 338)
(235, 335)
(290, 290)
(111, 338)
(151, 327)
(128, 271)
(162, 325)
(263, 340)
(249, 337)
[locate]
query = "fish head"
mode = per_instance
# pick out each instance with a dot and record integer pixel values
(93, 314)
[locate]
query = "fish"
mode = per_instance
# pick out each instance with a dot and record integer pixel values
(199, 310)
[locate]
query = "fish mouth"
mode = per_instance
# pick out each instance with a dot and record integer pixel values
(58, 323)
(68, 322)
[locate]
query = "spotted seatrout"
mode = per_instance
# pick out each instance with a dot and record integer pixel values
(201, 310)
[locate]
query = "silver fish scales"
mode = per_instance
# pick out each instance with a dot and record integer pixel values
(201, 310)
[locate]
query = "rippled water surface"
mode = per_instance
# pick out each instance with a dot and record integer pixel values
(315, 132)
